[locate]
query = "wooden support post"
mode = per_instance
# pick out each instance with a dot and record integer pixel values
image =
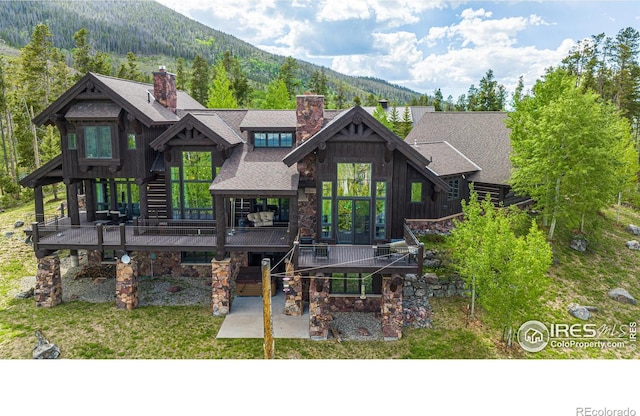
(39, 203)
(221, 227)
(266, 309)
(35, 235)
(123, 236)
(100, 236)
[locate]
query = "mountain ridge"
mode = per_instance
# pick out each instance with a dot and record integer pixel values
(154, 32)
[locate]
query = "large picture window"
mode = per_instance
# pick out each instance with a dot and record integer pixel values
(354, 179)
(190, 183)
(97, 142)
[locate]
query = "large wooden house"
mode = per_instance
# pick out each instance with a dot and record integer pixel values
(152, 174)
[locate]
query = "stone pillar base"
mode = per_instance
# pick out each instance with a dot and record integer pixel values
(293, 305)
(48, 291)
(126, 285)
(220, 287)
(391, 308)
(319, 315)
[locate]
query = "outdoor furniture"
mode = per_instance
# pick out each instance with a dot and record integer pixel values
(321, 250)
(261, 219)
(306, 243)
(102, 215)
(382, 252)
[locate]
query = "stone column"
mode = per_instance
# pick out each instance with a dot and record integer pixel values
(48, 291)
(94, 257)
(391, 307)
(293, 292)
(126, 285)
(220, 287)
(319, 315)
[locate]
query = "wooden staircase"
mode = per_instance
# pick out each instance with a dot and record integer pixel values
(157, 198)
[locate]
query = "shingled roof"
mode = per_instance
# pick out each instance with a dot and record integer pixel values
(267, 120)
(481, 136)
(341, 120)
(256, 173)
(207, 123)
(445, 159)
(135, 97)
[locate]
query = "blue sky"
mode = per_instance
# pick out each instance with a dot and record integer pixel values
(423, 45)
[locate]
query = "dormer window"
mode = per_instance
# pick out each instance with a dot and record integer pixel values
(97, 142)
(272, 139)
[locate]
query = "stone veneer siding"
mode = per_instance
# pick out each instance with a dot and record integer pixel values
(309, 120)
(392, 318)
(293, 305)
(319, 314)
(342, 303)
(126, 285)
(48, 292)
(221, 277)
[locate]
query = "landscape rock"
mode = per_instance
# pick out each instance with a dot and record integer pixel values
(579, 244)
(8, 234)
(174, 289)
(623, 296)
(580, 312)
(633, 245)
(633, 229)
(363, 332)
(29, 293)
(45, 350)
(18, 224)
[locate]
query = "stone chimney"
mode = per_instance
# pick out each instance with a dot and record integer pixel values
(164, 88)
(309, 116)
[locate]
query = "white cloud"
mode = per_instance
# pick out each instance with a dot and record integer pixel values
(394, 55)
(392, 13)
(337, 10)
(476, 28)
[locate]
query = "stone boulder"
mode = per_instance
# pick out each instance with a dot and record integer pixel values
(579, 244)
(580, 312)
(633, 229)
(18, 224)
(622, 295)
(633, 245)
(45, 350)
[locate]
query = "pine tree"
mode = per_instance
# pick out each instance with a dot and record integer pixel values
(289, 74)
(200, 80)
(181, 76)
(406, 124)
(318, 82)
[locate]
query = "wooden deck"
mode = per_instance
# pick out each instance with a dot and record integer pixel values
(352, 258)
(130, 238)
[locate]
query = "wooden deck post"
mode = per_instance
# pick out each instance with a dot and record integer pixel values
(266, 309)
(100, 236)
(221, 227)
(123, 236)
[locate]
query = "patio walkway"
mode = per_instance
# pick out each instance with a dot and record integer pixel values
(245, 320)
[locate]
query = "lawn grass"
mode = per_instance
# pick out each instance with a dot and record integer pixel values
(99, 331)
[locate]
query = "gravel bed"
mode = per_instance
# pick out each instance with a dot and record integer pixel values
(156, 291)
(356, 326)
